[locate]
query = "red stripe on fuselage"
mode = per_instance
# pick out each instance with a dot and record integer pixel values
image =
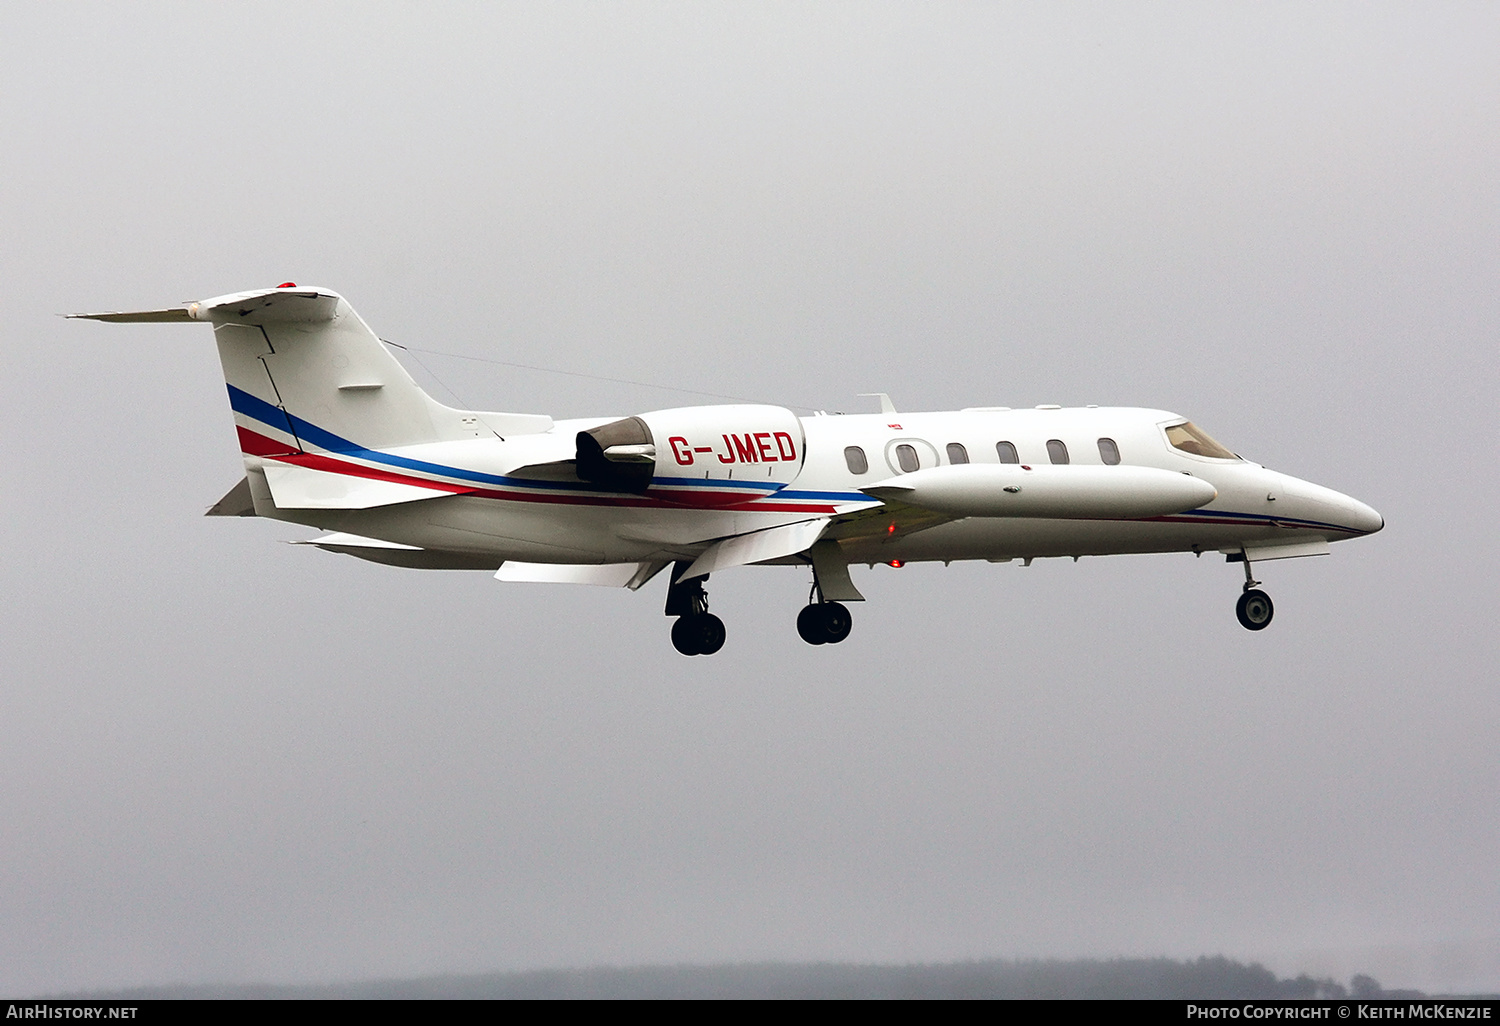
(256, 444)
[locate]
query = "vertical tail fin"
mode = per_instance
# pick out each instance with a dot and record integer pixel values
(304, 371)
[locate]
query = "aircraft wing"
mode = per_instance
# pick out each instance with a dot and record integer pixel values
(757, 546)
(884, 519)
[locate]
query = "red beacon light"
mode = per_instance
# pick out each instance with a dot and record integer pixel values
(287, 285)
(897, 563)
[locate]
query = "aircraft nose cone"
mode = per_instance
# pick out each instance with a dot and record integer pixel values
(1360, 517)
(1333, 508)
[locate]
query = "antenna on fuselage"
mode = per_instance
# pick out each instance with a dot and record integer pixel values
(886, 406)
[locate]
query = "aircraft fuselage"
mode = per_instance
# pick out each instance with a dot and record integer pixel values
(336, 435)
(507, 517)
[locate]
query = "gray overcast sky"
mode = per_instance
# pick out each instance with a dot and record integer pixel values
(226, 758)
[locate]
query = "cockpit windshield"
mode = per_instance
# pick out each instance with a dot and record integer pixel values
(1189, 437)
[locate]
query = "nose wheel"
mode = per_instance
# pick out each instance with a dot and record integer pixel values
(1254, 609)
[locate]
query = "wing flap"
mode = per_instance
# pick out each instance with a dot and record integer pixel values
(772, 543)
(604, 575)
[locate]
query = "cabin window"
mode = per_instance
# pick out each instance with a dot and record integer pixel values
(1007, 452)
(1190, 438)
(854, 456)
(1057, 451)
(957, 453)
(906, 456)
(1109, 452)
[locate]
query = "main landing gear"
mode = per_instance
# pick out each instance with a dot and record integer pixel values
(822, 622)
(1254, 608)
(698, 634)
(697, 631)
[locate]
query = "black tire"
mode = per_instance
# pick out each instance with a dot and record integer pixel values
(710, 632)
(698, 634)
(1254, 610)
(810, 625)
(837, 622)
(684, 638)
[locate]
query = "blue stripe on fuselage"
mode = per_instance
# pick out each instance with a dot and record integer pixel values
(272, 416)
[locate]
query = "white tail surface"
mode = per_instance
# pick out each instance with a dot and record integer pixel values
(305, 374)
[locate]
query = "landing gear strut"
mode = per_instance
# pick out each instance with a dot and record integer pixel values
(1254, 608)
(697, 631)
(822, 622)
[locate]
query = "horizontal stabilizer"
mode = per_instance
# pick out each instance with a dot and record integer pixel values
(176, 313)
(295, 487)
(262, 306)
(269, 306)
(756, 547)
(604, 575)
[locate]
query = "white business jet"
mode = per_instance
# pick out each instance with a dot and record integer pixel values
(336, 435)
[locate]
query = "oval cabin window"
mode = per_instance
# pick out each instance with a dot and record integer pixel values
(1007, 452)
(1109, 452)
(1057, 451)
(906, 456)
(854, 456)
(957, 453)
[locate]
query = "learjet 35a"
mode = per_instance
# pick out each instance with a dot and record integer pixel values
(337, 436)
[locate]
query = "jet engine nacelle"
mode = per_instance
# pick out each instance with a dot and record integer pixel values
(696, 455)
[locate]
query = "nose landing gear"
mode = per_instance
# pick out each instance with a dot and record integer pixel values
(1254, 609)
